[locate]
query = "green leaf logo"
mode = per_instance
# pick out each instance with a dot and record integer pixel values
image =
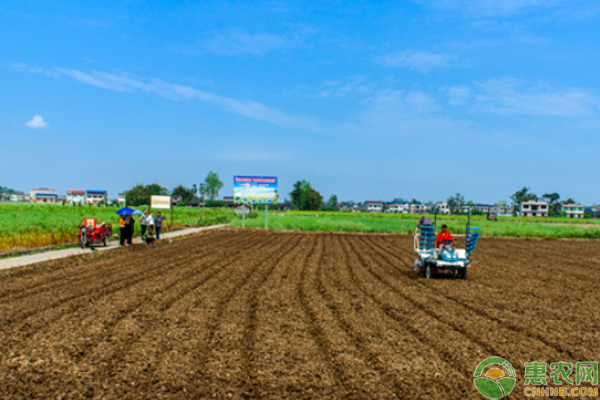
(494, 378)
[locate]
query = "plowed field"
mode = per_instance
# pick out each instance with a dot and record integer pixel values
(254, 314)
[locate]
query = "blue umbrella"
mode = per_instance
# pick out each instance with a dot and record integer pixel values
(137, 212)
(126, 211)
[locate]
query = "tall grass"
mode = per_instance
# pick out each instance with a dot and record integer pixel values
(24, 225)
(386, 223)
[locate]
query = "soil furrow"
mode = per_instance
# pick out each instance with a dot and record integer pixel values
(67, 278)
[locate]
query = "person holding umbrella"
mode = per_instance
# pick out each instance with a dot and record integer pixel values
(128, 225)
(123, 235)
(130, 228)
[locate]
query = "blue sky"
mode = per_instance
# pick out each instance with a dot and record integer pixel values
(367, 100)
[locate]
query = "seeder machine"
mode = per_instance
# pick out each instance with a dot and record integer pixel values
(448, 259)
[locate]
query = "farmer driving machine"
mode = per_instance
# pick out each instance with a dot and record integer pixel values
(447, 258)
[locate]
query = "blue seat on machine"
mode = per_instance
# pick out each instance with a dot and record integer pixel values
(427, 241)
(473, 234)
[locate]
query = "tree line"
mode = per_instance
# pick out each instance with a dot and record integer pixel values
(305, 197)
(140, 193)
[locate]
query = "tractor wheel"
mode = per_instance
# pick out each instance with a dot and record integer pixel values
(429, 271)
(463, 274)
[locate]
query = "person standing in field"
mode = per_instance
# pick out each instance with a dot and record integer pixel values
(158, 223)
(424, 221)
(123, 230)
(130, 222)
(143, 222)
(151, 220)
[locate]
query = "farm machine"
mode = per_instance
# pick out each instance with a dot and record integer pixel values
(447, 258)
(90, 232)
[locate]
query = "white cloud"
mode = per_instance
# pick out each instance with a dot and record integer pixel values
(240, 42)
(250, 156)
(248, 108)
(349, 88)
(510, 96)
(459, 95)
(412, 102)
(36, 122)
(491, 7)
(416, 60)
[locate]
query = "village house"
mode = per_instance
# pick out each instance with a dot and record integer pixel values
(96, 196)
(373, 206)
(443, 208)
(594, 212)
(534, 209)
(43, 195)
(572, 210)
(397, 207)
(417, 208)
(76, 196)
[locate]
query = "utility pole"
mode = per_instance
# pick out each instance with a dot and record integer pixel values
(203, 190)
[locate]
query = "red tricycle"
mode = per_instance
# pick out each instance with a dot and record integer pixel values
(90, 231)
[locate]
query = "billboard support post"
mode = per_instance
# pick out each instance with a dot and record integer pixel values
(266, 216)
(243, 215)
(203, 189)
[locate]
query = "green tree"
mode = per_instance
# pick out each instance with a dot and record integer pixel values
(156, 189)
(553, 200)
(569, 201)
(502, 203)
(296, 194)
(213, 185)
(521, 196)
(456, 203)
(140, 193)
(304, 197)
(186, 193)
(332, 202)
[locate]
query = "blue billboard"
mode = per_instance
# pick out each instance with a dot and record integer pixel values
(255, 190)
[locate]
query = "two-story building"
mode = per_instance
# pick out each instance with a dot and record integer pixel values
(417, 208)
(534, 209)
(121, 199)
(43, 195)
(96, 196)
(443, 208)
(373, 206)
(348, 207)
(594, 212)
(501, 211)
(76, 196)
(482, 208)
(19, 197)
(572, 210)
(397, 207)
